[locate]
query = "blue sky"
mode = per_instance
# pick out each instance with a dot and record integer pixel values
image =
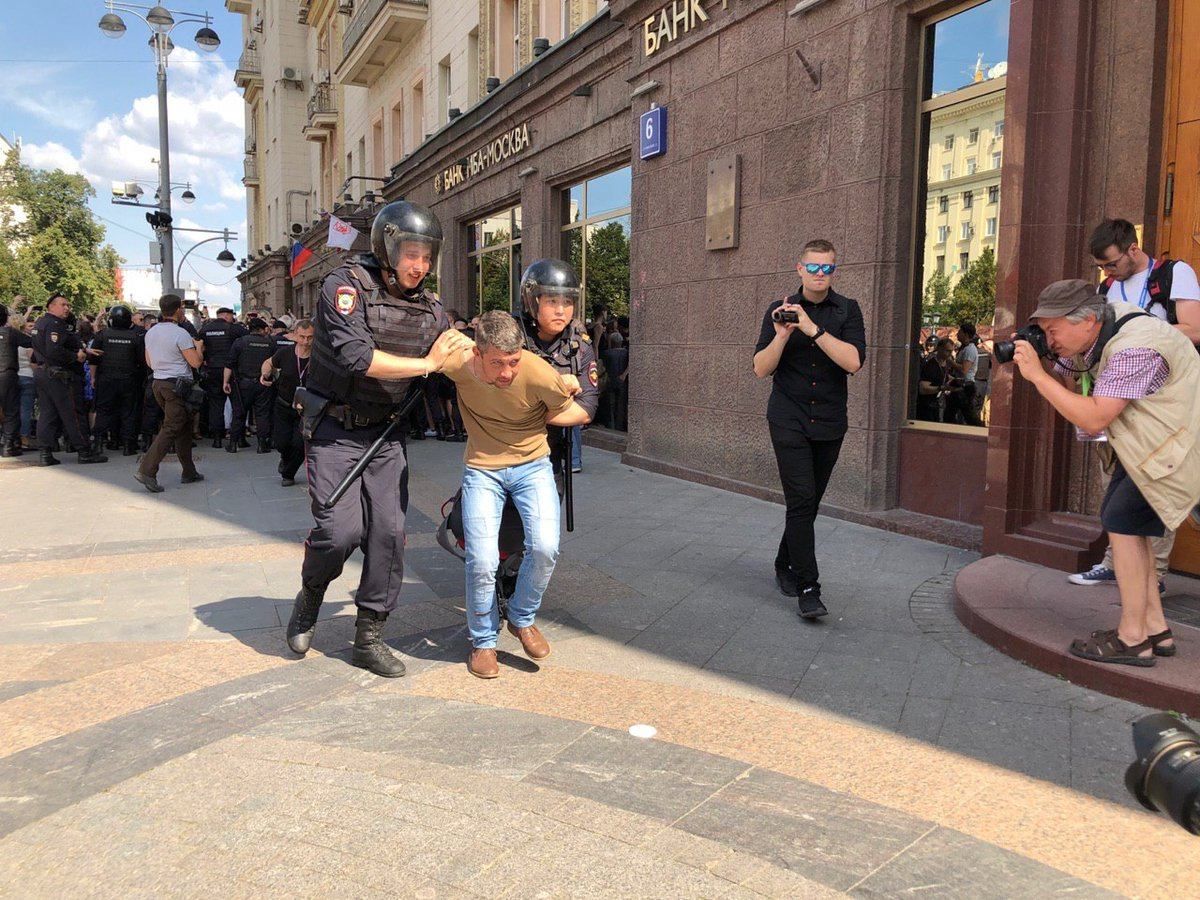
(83, 102)
(959, 40)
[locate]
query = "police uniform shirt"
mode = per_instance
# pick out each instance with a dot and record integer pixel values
(292, 371)
(10, 340)
(218, 336)
(282, 342)
(558, 353)
(124, 352)
(55, 343)
(356, 316)
(248, 353)
(809, 389)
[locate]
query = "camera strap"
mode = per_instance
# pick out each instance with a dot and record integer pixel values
(1107, 332)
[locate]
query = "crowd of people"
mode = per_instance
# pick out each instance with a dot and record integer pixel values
(952, 384)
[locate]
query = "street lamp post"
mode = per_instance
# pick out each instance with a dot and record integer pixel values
(225, 258)
(161, 22)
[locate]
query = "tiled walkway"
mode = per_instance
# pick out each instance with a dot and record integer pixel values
(157, 738)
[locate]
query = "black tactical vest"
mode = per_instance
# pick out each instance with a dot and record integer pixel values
(218, 336)
(8, 350)
(121, 352)
(255, 350)
(403, 327)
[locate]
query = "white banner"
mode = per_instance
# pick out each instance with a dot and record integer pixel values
(341, 234)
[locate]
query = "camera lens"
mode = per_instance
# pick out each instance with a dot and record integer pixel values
(1003, 351)
(1166, 774)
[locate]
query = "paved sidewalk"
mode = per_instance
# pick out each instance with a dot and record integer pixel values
(156, 737)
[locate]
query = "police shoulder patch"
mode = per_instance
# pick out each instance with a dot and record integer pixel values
(54, 337)
(593, 375)
(345, 299)
(585, 337)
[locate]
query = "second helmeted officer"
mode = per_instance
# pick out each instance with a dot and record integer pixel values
(376, 328)
(241, 382)
(216, 337)
(119, 358)
(550, 297)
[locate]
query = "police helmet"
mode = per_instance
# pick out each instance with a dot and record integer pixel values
(548, 276)
(120, 317)
(402, 221)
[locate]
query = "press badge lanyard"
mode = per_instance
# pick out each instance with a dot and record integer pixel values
(1144, 298)
(301, 368)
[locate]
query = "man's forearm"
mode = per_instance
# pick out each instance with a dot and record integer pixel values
(766, 360)
(845, 355)
(389, 366)
(1082, 412)
(226, 374)
(573, 415)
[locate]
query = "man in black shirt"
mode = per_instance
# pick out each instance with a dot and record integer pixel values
(216, 337)
(285, 371)
(810, 360)
(934, 380)
(10, 384)
(119, 357)
(59, 382)
(241, 381)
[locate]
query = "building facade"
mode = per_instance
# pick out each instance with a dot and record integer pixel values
(917, 135)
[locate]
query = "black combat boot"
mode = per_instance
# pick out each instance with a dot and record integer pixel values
(131, 449)
(46, 458)
(218, 442)
(231, 446)
(263, 447)
(11, 448)
(303, 622)
(370, 652)
(90, 455)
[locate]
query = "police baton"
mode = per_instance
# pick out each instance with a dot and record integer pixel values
(568, 486)
(365, 460)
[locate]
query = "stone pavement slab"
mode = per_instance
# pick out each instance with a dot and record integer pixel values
(156, 736)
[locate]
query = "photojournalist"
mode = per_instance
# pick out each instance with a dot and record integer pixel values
(1138, 398)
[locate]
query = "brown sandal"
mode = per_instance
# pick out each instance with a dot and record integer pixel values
(1109, 648)
(1155, 639)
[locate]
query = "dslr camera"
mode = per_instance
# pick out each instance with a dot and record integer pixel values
(1166, 774)
(785, 316)
(1003, 350)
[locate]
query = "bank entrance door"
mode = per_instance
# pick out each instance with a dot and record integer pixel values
(1180, 232)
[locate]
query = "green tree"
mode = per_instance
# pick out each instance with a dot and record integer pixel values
(974, 297)
(608, 268)
(937, 292)
(58, 246)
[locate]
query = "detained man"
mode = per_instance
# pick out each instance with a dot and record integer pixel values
(508, 396)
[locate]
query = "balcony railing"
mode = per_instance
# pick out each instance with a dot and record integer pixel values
(321, 102)
(250, 169)
(249, 68)
(401, 19)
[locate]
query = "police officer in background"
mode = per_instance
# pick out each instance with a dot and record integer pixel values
(119, 356)
(549, 300)
(59, 383)
(281, 335)
(282, 374)
(377, 329)
(10, 384)
(242, 382)
(216, 336)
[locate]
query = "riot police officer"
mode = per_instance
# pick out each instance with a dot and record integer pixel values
(216, 336)
(59, 383)
(549, 300)
(10, 384)
(241, 383)
(377, 329)
(119, 357)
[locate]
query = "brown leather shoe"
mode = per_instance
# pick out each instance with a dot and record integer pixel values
(482, 663)
(535, 646)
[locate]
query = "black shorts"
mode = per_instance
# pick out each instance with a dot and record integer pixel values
(1125, 510)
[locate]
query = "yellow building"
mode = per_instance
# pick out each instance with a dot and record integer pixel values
(966, 148)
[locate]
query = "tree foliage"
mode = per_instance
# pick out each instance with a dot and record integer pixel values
(57, 245)
(607, 268)
(974, 296)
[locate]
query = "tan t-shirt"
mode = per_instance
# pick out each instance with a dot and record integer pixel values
(507, 426)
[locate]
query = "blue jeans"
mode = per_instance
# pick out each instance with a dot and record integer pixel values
(531, 487)
(28, 393)
(577, 447)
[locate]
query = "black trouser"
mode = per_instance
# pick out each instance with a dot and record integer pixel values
(213, 418)
(804, 469)
(249, 394)
(370, 514)
(117, 397)
(10, 403)
(152, 414)
(960, 405)
(285, 436)
(59, 394)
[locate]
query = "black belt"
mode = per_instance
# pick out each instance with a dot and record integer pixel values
(350, 420)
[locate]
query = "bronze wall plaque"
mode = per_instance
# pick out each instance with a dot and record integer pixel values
(724, 202)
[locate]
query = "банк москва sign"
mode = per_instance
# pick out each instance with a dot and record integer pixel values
(496, 151)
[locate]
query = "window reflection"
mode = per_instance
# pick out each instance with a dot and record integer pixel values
(495, 260)
(963, 137)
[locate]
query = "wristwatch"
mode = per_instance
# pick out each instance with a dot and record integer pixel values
(820, 331)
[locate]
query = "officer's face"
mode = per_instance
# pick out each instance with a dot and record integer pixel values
(58, 307)
(414, 263)
(498, 368)
(554, 312)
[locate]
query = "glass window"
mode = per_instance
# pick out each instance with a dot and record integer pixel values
(595, 218)
(494, 252)
(962, 90)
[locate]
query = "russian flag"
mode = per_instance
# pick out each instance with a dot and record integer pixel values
(301, 256)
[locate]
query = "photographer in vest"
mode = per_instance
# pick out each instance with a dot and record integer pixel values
(376, 329)
(1165, 288)
(1139, 386)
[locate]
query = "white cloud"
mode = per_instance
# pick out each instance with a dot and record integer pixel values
(50, 155)
(36, 89)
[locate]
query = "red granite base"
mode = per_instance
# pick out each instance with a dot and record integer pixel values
(1032, 613)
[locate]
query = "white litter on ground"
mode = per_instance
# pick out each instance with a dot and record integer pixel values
(643, 731)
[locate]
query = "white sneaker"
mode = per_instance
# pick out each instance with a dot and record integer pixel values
(1097, 574)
